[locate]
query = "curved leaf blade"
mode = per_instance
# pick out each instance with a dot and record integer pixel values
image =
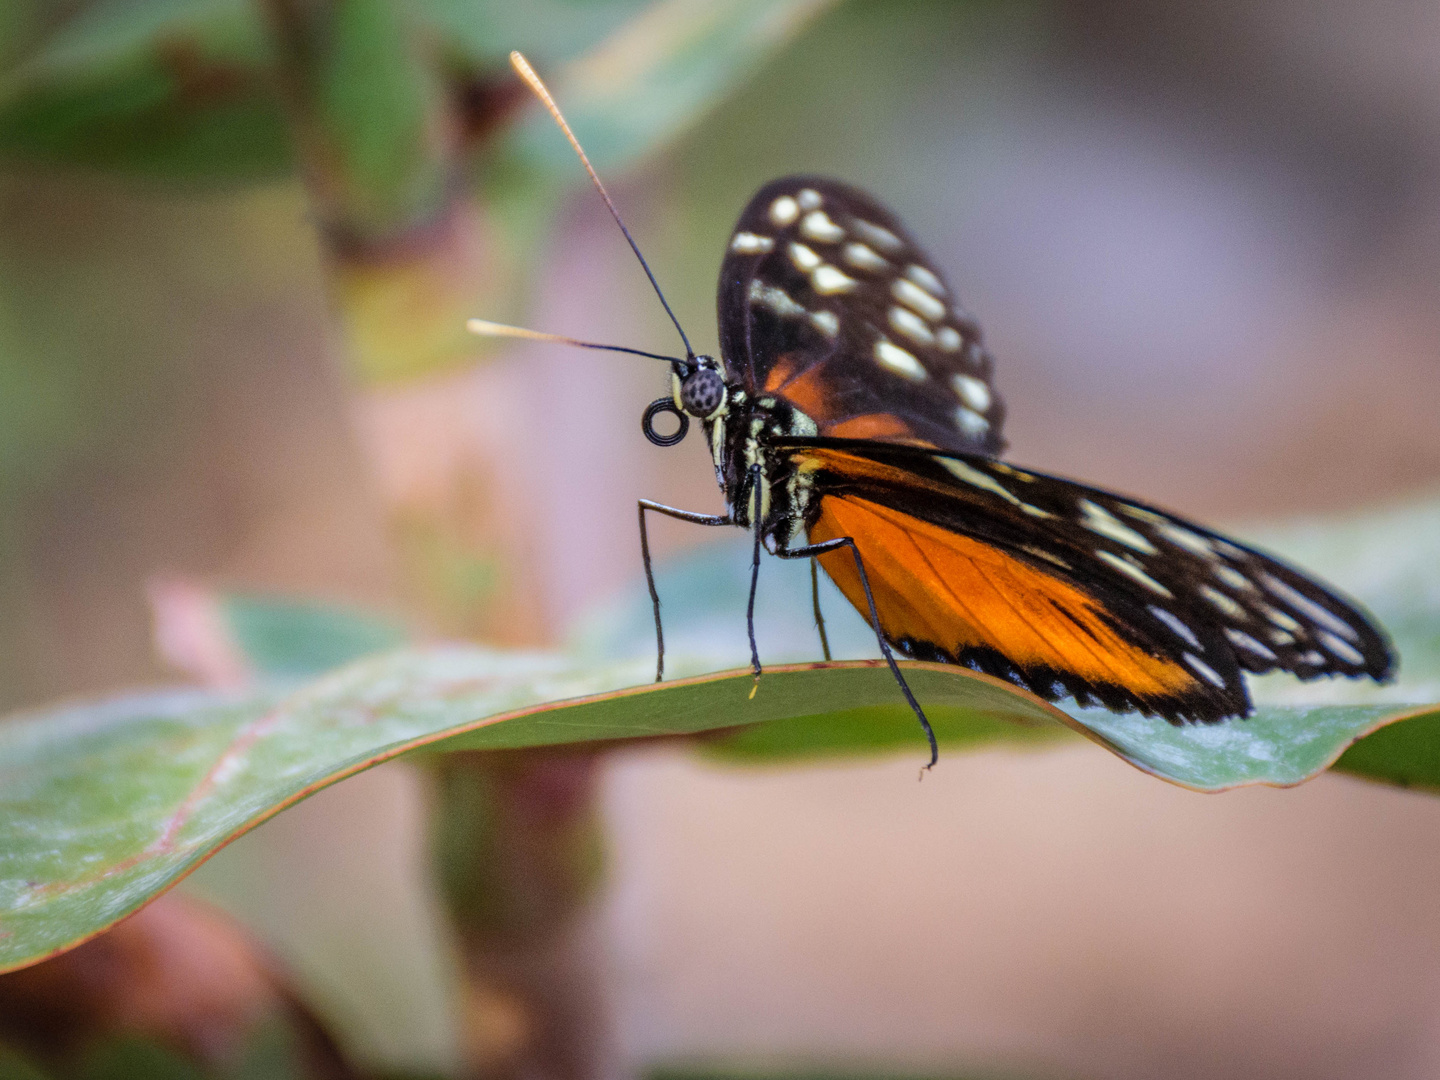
(103, 807)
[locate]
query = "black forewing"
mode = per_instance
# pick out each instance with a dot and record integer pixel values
(826, 300)
(1168, 584)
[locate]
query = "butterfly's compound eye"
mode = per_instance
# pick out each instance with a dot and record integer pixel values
(703, 392)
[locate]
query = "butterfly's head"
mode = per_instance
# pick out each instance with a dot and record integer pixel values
(698, 387)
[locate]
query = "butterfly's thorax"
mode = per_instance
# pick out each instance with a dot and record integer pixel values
(740, 437)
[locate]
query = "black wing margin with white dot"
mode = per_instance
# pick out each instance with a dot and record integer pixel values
(827, 301)
(1166, 584)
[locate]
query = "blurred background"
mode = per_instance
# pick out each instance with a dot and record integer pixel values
(1204, 242)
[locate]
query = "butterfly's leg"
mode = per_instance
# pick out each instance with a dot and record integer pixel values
(811, 550)
(815, 603)
(750, 609)
(680, 515)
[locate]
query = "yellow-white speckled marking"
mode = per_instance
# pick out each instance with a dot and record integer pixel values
(808, 199)
(948, 338)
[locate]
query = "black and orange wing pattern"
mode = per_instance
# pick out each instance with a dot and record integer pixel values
(826, 301)
(1070, 591)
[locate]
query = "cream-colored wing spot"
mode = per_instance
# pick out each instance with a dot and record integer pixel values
(1130, 570)
(970, 422)
(804, 258)
(829, 280)
(925, 279)
(827, 322)
(749, 243)
(896, 359)
(776, 299)
(912, 296)
(972, 391)
(864, 257)
(784, 211)
(1101, 521)
(911, 325)
(948, 338)
(876, 235)
(808, 199)
(817, 226)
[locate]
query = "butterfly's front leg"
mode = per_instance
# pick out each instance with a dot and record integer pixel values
(809, 551)
(679, 515)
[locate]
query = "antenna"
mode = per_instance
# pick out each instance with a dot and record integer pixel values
(525, 71)
(486, 328)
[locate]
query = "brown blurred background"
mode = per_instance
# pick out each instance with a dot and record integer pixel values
(1202, 240)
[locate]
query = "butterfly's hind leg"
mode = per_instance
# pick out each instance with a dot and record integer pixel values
(815, 604)
(679, 515)
(809, 551)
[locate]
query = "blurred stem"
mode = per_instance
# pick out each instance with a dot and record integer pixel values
(518, 852)
(381, 127)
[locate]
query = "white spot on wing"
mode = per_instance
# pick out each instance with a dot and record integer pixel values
(775, 299)
(925, 279)
(818, 226)
(804, 258)
(1125, 566)
(899, 361)
(877, 235)
(975, 478)
(808, 198)
(829, 280)
(1205, 671)
(911, 295)
(1174, 622)
(1339, 648)
(971, 391)
(784, 210)
(1101, 521)
(911, 325)
(827, 322)
(948, 338)
(1184, 538)
(1318, 612)
(864, 257)
(1281, 619)
(1232, 577)
(1249, 644)
(1225, 603)
(972, 423)
(749, 243)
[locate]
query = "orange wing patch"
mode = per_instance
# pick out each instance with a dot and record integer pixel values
(933, 585)
(808, 392)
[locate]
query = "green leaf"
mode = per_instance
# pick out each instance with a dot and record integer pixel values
(102, 807)
(166, 87)
(655, 76)
(287, 638)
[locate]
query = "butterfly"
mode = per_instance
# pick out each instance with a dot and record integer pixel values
(853, 420)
